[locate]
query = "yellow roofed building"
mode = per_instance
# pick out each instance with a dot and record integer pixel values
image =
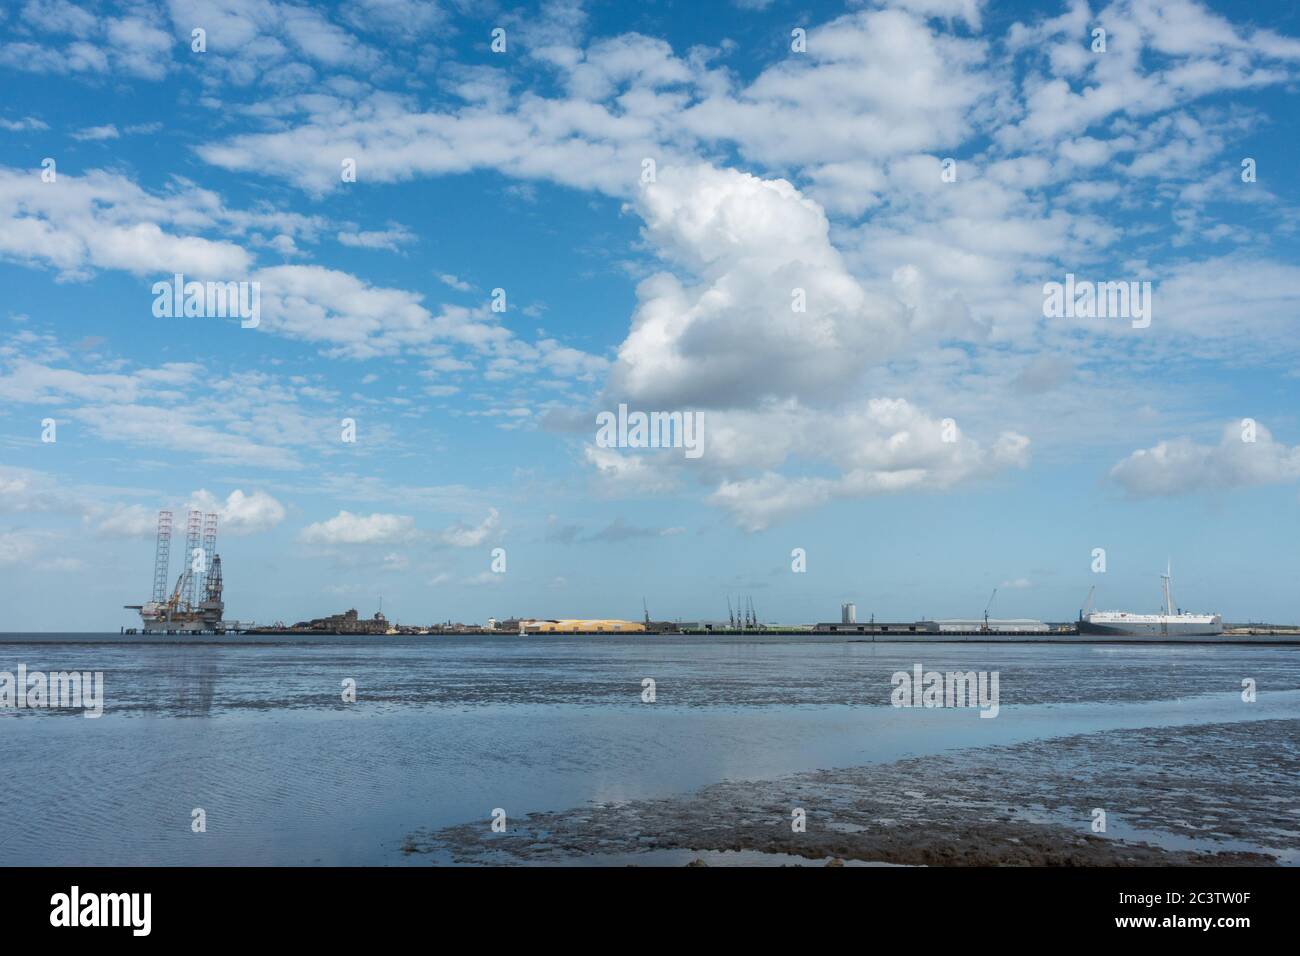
(581, 626)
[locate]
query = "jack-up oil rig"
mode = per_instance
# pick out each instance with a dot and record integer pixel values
(194, 605)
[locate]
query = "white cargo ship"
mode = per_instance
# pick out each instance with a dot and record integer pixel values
(1170, 624)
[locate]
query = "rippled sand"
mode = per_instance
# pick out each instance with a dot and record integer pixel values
(1027, 804)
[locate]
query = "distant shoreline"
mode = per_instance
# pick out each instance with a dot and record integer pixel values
(1250, 638)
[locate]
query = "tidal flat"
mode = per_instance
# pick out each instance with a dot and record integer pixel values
(1029, 804)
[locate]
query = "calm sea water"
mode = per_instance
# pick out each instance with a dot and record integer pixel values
(255, 731)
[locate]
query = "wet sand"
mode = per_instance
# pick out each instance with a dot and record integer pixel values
(1214, 794)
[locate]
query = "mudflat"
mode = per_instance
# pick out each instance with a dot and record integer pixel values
(1027, 804)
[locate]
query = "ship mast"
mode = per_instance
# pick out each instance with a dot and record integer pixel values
(1166, 581)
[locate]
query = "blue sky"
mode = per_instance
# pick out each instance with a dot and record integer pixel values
(775, 170)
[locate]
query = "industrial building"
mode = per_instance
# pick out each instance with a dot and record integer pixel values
(947, 626)
(581, 626)
(1012, 625)
(840, 627)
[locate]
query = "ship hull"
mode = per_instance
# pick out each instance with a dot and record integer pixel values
(1154, 629)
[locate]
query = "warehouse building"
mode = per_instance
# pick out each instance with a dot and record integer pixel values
(581, 626)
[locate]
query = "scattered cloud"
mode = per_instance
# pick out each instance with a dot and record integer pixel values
(94, 133)
(21, 125)
(471, 536)
(391, 239)
(38, 550)
(450, 280)
(128, 521)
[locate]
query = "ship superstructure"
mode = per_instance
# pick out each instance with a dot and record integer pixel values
(1172, 623)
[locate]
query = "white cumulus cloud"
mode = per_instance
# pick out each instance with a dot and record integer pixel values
(1181, 465)
(768, 308)
(240, 513)
(348, 528)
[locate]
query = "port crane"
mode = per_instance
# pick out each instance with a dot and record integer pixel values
(986, 609)
(1087, 604)
(742, 616)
